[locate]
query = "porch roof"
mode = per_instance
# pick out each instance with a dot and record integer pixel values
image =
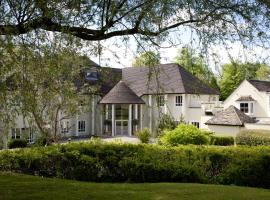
(230, 117)
(245, 98)
(121, 94)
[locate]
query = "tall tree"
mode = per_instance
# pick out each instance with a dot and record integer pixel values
(194, 63)
(99, 20)
(234, 73)
(41, 86)
(263, 73)
(147, 59)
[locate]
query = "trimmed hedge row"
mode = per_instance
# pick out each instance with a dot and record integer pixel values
(94, 161)
(253, 137)
(222, 140)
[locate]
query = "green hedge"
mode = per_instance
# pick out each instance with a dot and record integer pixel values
(17, 143)
(222, 140)
(253, 137)
(248, 166)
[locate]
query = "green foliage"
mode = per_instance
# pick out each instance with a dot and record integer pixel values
(17, 143)
(195, 64)
(111, 162)
(144, 135)
(147, 59)
(185, 134)
(263, 73)
(234, 73)
(253, 137)
(42, 141)
(166, 122)
(222, 140)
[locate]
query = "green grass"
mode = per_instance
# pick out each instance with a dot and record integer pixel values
(14, 186)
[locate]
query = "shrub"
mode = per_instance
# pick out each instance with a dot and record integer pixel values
(17, 143)
(166, 122)
(253, 137)
(106, 162)
(144, 135)
(185, 134)
(222, 140)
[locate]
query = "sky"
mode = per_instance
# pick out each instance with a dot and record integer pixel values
(118, 54)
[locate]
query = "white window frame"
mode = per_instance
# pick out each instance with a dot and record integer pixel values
(244, 107)
(15, 134)
(64, 127)
(197, 124)
(250, 107)
(179, 100)
(30, 139)
(81, 126)
(161, 100)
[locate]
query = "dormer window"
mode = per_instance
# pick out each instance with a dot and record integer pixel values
(247, 108)
(246, 104)
(244, 107)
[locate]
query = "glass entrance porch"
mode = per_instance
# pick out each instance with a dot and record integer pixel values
(121, 119)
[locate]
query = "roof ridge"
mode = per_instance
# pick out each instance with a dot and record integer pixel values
(235, 109)
(180, 76)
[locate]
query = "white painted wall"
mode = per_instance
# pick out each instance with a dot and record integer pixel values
(257, 126)
(191, 109)
(225, 130)
(261, 105)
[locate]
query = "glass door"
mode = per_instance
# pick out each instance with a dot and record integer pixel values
(121, 120)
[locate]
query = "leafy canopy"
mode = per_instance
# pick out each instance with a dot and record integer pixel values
(196, 65)
(147, 59)
(234, 73)
(102, 19)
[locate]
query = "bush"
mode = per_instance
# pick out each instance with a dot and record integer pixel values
(185, 134)
(222, 140)
(144, 135)
(253, 137)
(106, 162)
(166, 122)
(17, 143)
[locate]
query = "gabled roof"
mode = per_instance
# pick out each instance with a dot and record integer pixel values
(121, 94)
(245, 98)
(263, 86)
(164, 78)
(230, 117)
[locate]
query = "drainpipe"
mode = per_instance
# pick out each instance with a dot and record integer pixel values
(113, 120)
(106, 117)
(93, 116)
(150, 113)
(136, 116)
(130, 120)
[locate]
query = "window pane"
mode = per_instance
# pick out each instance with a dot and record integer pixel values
(81, 126)
(197, 124)
(161, 100)
(244, 107)
(178, 101)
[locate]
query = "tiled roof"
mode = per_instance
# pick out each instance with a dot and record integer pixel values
(121, 94)
(164, 78)
(245, 98)
(230, 117)
(261, 85)
(104, 78)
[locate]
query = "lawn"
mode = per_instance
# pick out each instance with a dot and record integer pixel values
(14, 186)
